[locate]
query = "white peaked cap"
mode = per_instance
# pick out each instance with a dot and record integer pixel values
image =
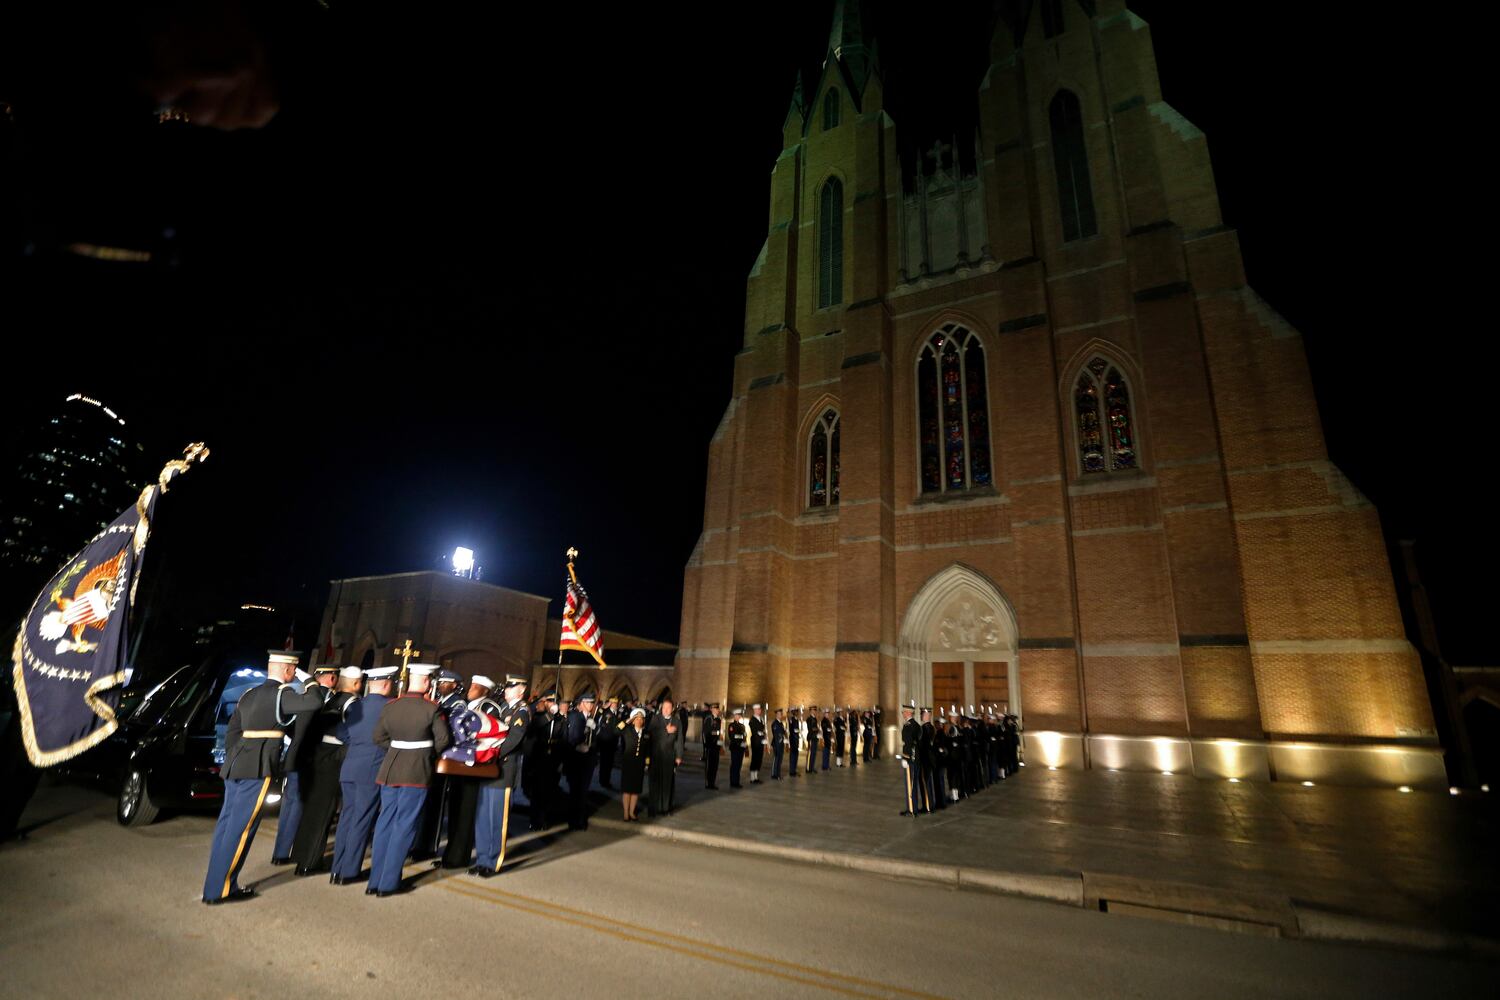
(302, 675)
(351, 672)
(482, 681)
(422, 668)
(380, 673)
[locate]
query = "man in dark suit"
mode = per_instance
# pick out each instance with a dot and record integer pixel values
(778, 744)
(667, 742)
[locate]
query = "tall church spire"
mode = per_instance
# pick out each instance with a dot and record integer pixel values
(850, 43)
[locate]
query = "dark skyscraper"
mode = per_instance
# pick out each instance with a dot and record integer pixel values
(77, 470)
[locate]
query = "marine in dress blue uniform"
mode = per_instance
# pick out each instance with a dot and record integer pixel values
(492, 820)
(252, 764)
(795, 729)
(362, 760)
(413, 731)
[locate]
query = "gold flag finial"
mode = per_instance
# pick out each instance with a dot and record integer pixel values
(572, 553)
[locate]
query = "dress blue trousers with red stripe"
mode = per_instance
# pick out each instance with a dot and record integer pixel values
(395, 832)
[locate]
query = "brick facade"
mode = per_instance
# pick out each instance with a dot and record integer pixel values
(1234, 586)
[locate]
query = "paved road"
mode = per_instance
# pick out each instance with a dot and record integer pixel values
(86, 905)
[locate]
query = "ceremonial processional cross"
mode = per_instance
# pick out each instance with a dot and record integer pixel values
(406, 652)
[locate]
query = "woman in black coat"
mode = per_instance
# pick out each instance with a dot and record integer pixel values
(635, 745)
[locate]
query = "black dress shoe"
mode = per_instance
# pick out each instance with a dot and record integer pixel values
(337, 879)
(907, 812)
(483, 871)
(370, 890)
(281, 861)
(303, 871)
(234, 895)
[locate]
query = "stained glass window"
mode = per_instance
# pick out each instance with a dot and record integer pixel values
(953, 422)
(831, 110)
(1075, 194)
(928, 453)
(1106, 432)
(1117, 411)
(823, 461)
(831, 244)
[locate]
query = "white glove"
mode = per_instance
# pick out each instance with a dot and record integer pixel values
(589, 724)
(904, 763)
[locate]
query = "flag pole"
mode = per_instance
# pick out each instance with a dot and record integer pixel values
(572, 554)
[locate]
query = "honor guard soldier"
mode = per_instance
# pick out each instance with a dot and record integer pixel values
(293, 757)
(758, 742)
(610, 718)
(580, 759)
(778, 744)
(320, 776)
(867, 727)
(713, 725)
(932, 765)
(875, 720)
(252, 762)
(796, 732)
(827, 727)
(551, 741)
(853, 719)
(362, 760)
(736, 736)
(839, 727)
(463, 793)
(911, 743)
(449, 694)
(813, 732)
(413, 731)
(492, 822)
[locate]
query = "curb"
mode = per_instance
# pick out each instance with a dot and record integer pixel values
(1303, 921)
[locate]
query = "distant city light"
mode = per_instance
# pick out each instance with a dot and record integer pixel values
(463, 561)
(1307, 784)
(255, 607)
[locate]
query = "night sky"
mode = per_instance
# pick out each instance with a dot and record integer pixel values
(482, 280)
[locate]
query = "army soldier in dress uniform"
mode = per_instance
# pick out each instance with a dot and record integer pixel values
(840, 737)
(252, 762)
(320, 779)
(610, 718)
(713, 725)
(757, 742)
(362, 760)
(736, 735)
(296, 755)
(875, 719)
(413, 731)
(911, 743)
(463, 793)
(448, 693)
(492, 822)
(580, 759)
(778, 744)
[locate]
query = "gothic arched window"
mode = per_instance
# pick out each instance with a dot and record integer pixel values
(831, 109)
(953, 418)
(831, 244)
(823, 461)
(1075, 195)
(1106, 423)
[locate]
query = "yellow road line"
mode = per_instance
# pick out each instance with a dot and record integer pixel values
(696, 949)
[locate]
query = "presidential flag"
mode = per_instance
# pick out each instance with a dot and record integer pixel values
(68, 661)
(580, 628)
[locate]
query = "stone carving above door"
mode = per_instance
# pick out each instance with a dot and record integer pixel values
(968, 628)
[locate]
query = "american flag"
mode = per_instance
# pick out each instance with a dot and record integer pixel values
(580, 629)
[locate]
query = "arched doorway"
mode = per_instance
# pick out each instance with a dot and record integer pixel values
(958, 644)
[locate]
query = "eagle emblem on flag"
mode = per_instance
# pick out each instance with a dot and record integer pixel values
(88, 607)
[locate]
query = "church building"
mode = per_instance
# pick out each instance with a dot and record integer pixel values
(1010, 427)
